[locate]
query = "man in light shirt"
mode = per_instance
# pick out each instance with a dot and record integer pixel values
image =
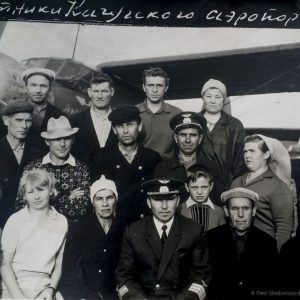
(95, 128)
(164, 255)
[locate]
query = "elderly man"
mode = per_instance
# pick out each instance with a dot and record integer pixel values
(15, 153)
(95, 128)
(243, 258)
(93, 248)
(164, 255)
(156, 113)
(72, 176)
(127, 163)
(189, 128)
(38, 83)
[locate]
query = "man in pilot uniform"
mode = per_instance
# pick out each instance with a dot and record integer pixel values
(164, 255)
(127, 163)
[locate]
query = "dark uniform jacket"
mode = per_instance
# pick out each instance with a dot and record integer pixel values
(10, 172)
(225, 144)
(171, 168)
(128, 178)
(233, 277)
(86, 141)
(34, 136)
(90, 260)
(148, 271)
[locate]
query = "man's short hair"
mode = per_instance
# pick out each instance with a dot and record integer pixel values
(100, 78)
(153, 72)
(196, 171)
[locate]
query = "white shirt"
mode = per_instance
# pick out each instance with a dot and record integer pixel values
(158, 224)
(102, 126)
(70, 161)
(190, 202)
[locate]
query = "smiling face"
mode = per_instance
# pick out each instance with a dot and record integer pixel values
(155, 88)
(213, 100)
(38, 88)
(100, 94)
(200, 189)
(60, 148)
(127, 133)
(240, 212)
(188, 140)
(255, 158)
(18, 124)
(165, 209)
(37, 196)
(105, 203)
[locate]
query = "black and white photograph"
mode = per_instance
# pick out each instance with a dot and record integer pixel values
(149, 151)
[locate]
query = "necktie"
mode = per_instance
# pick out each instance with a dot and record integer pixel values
(164, 236)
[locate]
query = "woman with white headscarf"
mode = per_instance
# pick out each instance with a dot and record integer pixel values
(269, 175)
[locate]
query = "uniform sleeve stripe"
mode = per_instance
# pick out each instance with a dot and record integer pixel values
(198, 289)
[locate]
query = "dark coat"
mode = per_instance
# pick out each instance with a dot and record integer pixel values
(10, 172)
(171, 168)
(128, 178)
(147, 270)
(86, 141)
(90, 260)
(34, 136)
(225, 144)
(233, 278)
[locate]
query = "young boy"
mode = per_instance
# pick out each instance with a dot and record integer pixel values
(199, 207)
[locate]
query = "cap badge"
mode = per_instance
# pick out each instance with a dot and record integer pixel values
(164, 189)
(186, 119)
(164, 181)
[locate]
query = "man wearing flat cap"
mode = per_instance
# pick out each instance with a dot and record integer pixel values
(164, 255)
(95, 127)
(127, 163)
(189, 128)
(38, 83)
(243, 258)
(16, 153)
(93, 247)
(72, 176)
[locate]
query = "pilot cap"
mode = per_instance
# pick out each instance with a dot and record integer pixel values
(217, 84)
(188, 119)
(239, 193)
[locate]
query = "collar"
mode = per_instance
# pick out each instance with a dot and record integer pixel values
(38, 107)
(125, 153)
(266, 174)
(52, 215)
(190, 202)
(102, 117)
(21, 147)
(235, 236)
(70, 161)
(164, 108)
(158, 224)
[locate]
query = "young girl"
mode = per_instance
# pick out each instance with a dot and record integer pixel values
(33, 242)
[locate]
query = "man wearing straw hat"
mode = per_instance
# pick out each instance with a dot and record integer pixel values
(73, 178)
(243, 257)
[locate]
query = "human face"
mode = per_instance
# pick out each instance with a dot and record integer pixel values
(240, 212)
(105, 203)
(200, 189)
(163, 210)
(18, 124)
(38, 88)
(37, 196)
(100, 94)
(255, 159)
(188, 140)
(60, 148)
(213, 100)
(155, 88)
(127, 133)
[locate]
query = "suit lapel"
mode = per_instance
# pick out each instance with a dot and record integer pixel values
(9, 155)
(153, 238)
(93, 140)
(173, 239)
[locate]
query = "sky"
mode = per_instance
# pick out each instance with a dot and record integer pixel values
(100, 44)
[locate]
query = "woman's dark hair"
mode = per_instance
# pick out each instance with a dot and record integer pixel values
(262, 146)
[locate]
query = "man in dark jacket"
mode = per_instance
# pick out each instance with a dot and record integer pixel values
(92, 248)
(95, 130)
(243, 258)
(164, 255)
(127, 163)
(15, 153)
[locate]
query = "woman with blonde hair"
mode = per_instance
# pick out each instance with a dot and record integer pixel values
(33, 241)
